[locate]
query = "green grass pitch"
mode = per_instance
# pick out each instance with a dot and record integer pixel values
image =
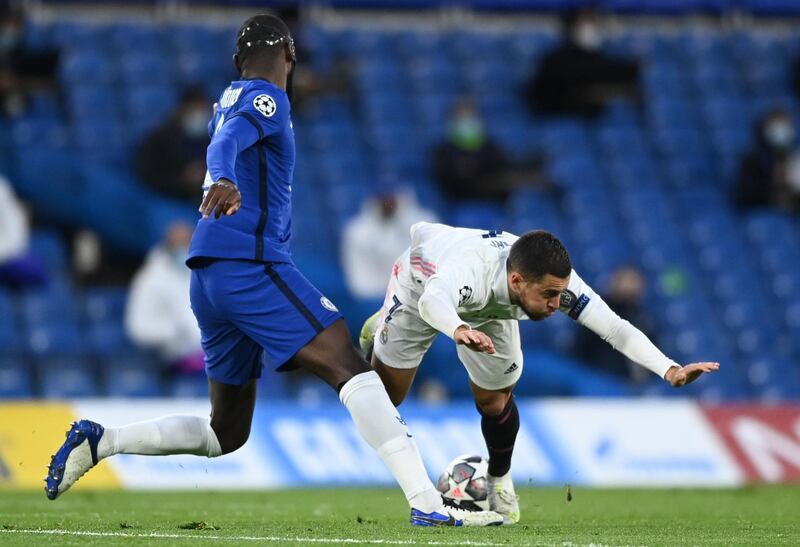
(749, 516)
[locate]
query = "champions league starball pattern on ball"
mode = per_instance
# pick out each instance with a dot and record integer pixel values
(464, 483)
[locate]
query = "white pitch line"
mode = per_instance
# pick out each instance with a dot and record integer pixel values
(302, 540)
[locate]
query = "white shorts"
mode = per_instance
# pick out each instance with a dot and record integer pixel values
(402, 337)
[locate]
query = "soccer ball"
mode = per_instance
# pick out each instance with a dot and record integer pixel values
(464, 483)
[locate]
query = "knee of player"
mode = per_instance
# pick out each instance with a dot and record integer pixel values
(231, 439)
(494, 405)
(234, 442)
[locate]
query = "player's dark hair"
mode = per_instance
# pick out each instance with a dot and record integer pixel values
(537, 254)
(262, 37)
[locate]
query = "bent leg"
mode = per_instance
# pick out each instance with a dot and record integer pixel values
(396, 380)
(232, 410)
(499, 425)
(333, 358)
(231, 415)
(492, 379)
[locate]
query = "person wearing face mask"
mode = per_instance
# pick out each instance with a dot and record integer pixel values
(769, 174)
(577, 78)
(372, 240)
(626, 296)
(158, 316)
(171, 160)
(468, 165)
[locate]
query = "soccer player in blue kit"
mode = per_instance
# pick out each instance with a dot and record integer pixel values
(253, 305)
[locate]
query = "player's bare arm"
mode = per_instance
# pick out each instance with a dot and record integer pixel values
(223, 197)
(473, 339)
(680, 376)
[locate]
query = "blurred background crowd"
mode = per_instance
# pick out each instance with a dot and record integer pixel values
(657, 139)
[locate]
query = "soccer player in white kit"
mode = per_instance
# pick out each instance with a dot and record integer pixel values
(473, 286)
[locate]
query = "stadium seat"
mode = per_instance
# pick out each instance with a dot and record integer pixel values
(189, 386)
(62, 378)
(131, 376)
(659, 179)
(16, 379)
(50, 247)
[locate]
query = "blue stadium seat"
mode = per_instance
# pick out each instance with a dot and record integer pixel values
(54, 304)
(104, 304)
(137, 67)
(128, 37)
(16, 379)
(50, 247)
(772, 7)
(62, 378)
(107, 338)
(660, 182)
(87, 101)
(88, 67)
(152, 102)
(134, 376)
(189, 386)
(43, 133)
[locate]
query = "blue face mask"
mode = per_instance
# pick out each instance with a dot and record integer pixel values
(779, 134)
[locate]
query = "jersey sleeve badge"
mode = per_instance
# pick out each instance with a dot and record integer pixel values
(464, 294)
(571, 304)
(266, 105)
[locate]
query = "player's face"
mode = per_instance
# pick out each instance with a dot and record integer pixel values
(539, 299)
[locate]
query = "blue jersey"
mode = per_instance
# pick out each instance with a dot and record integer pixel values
(252, 145)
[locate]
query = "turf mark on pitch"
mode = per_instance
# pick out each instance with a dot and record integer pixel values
(198, 525)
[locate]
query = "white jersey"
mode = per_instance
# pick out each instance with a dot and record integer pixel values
(458, 275)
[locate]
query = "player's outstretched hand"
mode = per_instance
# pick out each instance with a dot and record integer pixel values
(680, 376)
(222, 198)
(473, 339)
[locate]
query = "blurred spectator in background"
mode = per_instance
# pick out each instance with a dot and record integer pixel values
(468, 165)
(17, 266)
(159, 316)
(372, 240)
(576, 77)
(769, 174)
(172, 159)
(21, 70)
(626, 296)
(312, 81)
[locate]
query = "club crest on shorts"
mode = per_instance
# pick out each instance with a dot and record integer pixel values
(384, 335)
(327, 304)
(266, 105)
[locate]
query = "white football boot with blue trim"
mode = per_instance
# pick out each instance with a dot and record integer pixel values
(449, 515)
(76, 456)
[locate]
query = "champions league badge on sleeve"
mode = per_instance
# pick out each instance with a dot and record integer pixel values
(571, 304)
(266, 105)
(327, 304)
(464, 294)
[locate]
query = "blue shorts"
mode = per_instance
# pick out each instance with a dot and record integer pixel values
(253, 312)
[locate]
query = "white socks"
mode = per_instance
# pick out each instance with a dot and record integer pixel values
(380, 425)
(364, 397)
(162, 436)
